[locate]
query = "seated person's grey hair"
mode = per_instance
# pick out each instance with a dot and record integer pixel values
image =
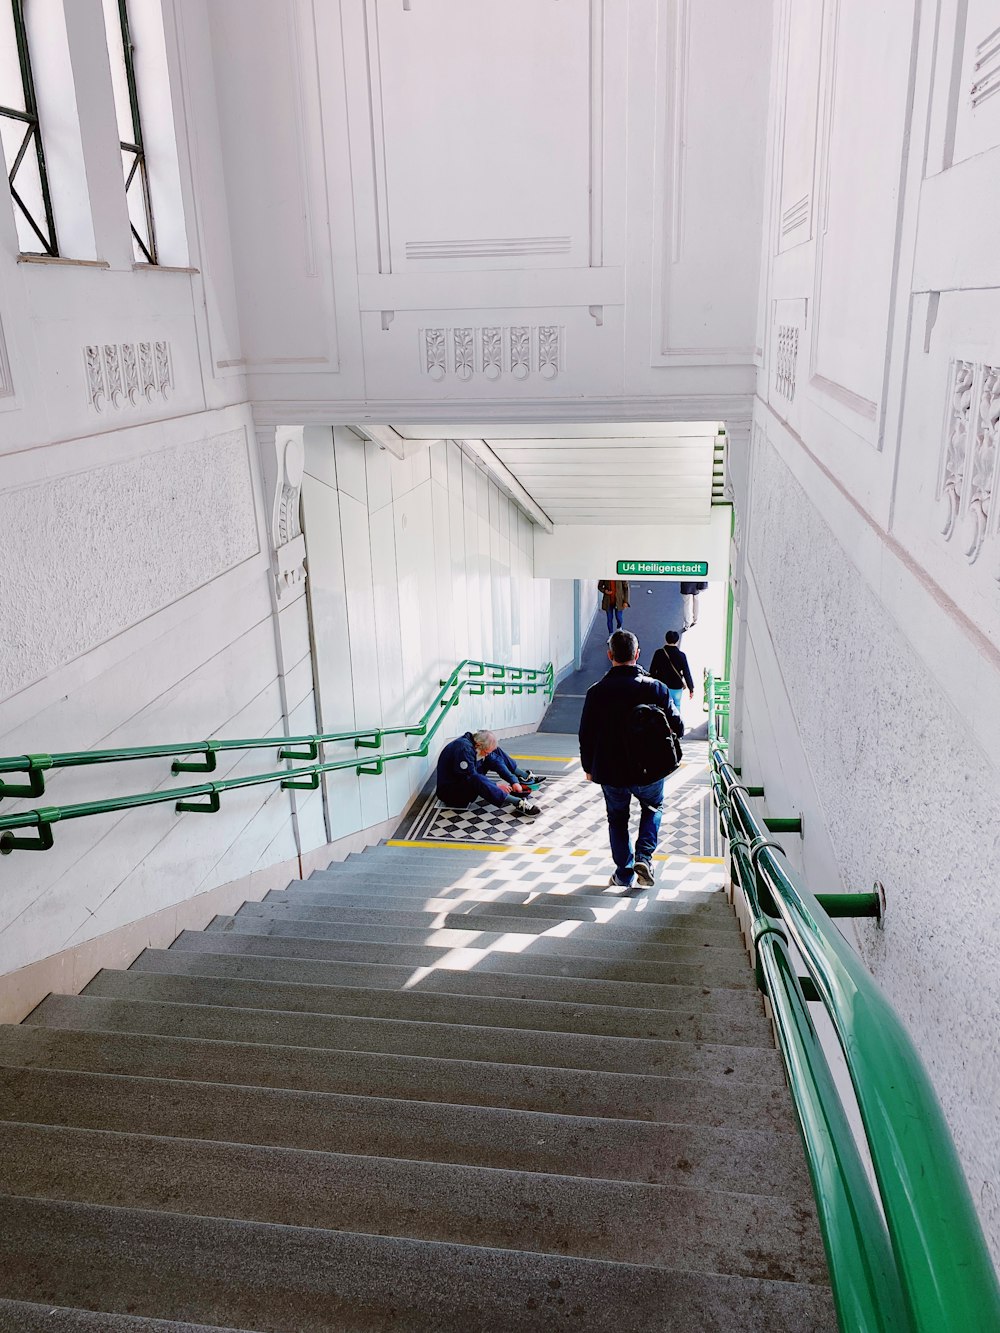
(624, 645)
(484, 740)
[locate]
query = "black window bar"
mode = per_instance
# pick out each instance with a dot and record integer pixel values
(133, 154)
(43, 225)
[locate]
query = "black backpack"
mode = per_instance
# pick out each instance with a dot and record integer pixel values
(654, 750)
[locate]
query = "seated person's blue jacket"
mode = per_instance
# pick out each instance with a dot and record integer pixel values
(604, 720)
(461, 774)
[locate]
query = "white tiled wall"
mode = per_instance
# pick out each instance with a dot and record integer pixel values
(413, 565)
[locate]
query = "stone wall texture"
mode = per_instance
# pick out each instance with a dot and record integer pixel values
(93, 552)
(909, 798)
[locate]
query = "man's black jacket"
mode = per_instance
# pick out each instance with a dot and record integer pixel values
(603, 723)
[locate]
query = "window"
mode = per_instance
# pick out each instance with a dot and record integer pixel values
(140, 211)
(21, 136)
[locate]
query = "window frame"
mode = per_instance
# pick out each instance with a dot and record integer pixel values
(29, 117)
(136, 147)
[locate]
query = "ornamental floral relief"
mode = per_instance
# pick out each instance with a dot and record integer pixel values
(983, 458)
(122, 374)
(493, 351)
(956, 442)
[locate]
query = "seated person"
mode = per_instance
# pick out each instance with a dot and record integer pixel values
(461, 775)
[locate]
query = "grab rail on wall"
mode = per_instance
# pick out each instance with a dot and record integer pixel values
(908, 1255)
(470, 676)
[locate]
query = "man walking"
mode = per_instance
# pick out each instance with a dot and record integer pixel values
(461, 776)
(690, 592)
(609, 755)
(670, 665)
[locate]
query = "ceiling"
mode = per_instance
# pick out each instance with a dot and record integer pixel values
(637, 472)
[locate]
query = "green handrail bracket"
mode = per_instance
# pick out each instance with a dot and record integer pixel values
(908, 1254)
(205, 798)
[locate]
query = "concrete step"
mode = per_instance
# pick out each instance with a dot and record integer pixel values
(460, 931)
(715, 969)
(556, 1050)
(305, 1280)
(22, 1317)
(717, 1103)
(405, 897)
(686, 1156)
(750, 1029)
(565, 880)
(664, 1226)
(498, 916)
(735, 1004)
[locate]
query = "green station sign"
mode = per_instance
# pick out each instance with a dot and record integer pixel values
(697, 569)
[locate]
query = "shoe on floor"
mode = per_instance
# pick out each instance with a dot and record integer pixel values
(525, 810)
(536, 780)
(644, 874)
(615, 883)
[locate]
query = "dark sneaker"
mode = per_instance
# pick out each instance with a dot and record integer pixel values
(525, 810)
(534, 780)
(644, 874)
(615, 883)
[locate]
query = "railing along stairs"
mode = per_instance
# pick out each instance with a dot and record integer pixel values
(907, 1253)
(469, 677)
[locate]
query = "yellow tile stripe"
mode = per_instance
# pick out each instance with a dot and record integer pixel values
(436, 845)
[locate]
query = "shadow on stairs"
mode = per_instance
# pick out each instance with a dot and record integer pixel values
(424, 1090)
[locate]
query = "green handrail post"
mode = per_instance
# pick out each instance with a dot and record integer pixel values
(781, 824)
(311, 751)
(308, 782)
(41, 843)
(374, 744)
(32, 764)
(851, 904)
(205, 765)
(209, 807)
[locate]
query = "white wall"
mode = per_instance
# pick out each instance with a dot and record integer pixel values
(442, 209)
(414, 565)
(137, 579)
(868, 631)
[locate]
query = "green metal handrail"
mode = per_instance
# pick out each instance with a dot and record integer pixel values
(913, 1258)
(470, 676)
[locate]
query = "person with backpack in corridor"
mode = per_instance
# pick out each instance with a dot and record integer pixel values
(670, 665)
(629, 735)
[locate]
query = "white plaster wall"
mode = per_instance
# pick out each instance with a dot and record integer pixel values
(867, 634)
(415, 564)
(564, 200)
(141, 612)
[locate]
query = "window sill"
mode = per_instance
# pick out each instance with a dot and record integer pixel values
(163, 268)
(58, 259)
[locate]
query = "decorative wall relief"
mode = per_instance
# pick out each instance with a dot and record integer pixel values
(951, 486)
(986, 69)
(786, 360)
(117, 373)
(517, 350)
(289, 543)
(983, 458)
(190, 515)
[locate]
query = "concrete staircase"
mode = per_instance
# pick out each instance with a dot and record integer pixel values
(421, 1091)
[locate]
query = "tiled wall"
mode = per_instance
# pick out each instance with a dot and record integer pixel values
(413, 565)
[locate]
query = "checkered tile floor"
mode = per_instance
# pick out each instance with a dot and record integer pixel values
(573, 815)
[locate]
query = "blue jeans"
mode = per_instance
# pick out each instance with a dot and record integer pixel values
(675, 698)
(618, 800)
(613, 613)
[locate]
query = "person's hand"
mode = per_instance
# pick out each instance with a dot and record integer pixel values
(690, 694)
(588, 777)
(504, 787)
